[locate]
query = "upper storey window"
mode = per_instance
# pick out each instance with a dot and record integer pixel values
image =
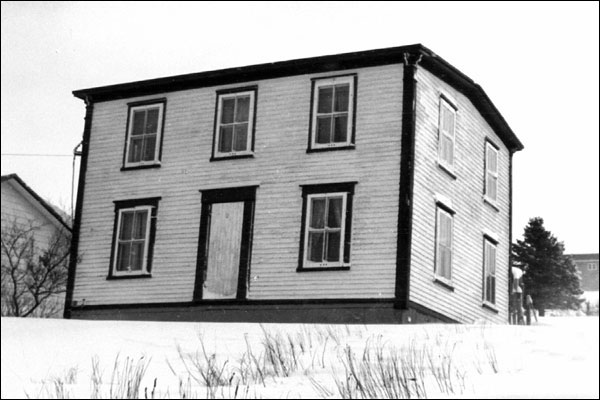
(446, 135)
(491, 173)
(333, 108)
(234, 127)
(144, 133)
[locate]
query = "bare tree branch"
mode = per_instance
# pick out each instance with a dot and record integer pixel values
(32, 276)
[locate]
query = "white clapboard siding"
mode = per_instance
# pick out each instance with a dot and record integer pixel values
(280, 165)
(472, 216)
(18, 208)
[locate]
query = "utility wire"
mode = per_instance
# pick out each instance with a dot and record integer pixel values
(35, 155)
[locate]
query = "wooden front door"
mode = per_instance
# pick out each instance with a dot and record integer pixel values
(225, 244)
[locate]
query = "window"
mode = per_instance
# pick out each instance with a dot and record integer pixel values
(446, 128)
(491, 173)
(144, 133)
(234, 125)
(443, 240)
(135, 229)
(489, 271)
(592, 266)
(333, 108)
(326, 226)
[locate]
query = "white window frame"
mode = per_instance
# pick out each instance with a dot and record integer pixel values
(439, 212)
(339, 80)
(324, 263)
(445, 104)
(487, 244)
(159, 129)
(250, 133)
(490, 147)
(144, 269)
(592, 266)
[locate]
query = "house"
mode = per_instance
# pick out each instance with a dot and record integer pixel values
(22, 205)
(587, 265)
(370, 187)
(23, 209)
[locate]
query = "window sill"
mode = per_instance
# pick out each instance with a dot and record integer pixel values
(445, 283)
(491, 203)
(489, 306)
(332, 148)
(233, 157)
(133, 276)
(140, 166)
(447, 170)
(317, 269)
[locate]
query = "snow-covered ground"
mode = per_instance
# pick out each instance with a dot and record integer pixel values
(555, 358)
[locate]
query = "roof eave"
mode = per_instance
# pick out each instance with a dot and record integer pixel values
(361, 59)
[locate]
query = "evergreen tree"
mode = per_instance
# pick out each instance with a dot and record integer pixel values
(551, 278)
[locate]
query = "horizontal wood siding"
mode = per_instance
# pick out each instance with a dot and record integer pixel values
(280, 165)
(472, 217)
(17, 208)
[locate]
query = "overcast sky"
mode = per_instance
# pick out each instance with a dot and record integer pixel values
(538, 62)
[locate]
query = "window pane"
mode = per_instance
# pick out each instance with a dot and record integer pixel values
(492, 258)
(138, 122)
(152, 120)
(334, 219)
(240, 137)
(225, 139)
(242, 109)
(325, 99)
(340, 128)
(490, 289)
(135, 149)
(137, 255)
(447, 121)
(315, 246)
(126, 228)
(333, 246)
(446, 149)
(448, 227)
(227, 109)
(449, 150)
(323, 130)
(149, 147)
(123, 256)
(342, 97)
(491, 190)
(492, 160)
(446, 258)
(139, 226)
(317, 219)
(445, 230)
(440, 260)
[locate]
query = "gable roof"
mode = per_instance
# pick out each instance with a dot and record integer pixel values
(392, 55)
(36, 199)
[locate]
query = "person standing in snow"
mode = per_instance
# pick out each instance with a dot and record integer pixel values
(516, 297)
(529, 309)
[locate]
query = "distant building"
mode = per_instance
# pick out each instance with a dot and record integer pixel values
(587, 264)
(22, 206)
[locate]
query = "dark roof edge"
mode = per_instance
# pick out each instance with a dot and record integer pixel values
(451, 75)
(329, 63)
(44, 204)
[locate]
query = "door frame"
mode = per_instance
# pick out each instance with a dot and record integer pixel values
(246, 194)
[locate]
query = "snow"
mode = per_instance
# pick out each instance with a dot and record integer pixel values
(555, 358)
